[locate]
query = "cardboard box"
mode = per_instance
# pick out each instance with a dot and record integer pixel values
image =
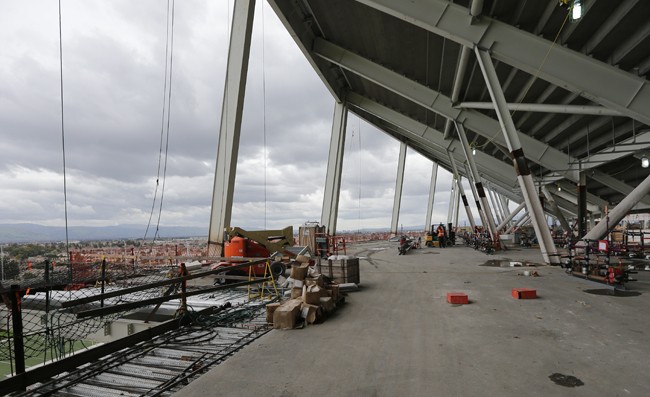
(309, 313)
(296, 292)
(327, 304)
(335, 293)
(315, 281)
(312, 295)
(285, 316)
(298, 283)
(270, 309)
(457, 298)
(299, 271)
(524, 293)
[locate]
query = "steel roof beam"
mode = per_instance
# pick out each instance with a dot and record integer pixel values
(486, 126)
(616, 89)
(500, 173)
(545, 108)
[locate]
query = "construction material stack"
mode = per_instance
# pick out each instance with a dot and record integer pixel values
(313, 297)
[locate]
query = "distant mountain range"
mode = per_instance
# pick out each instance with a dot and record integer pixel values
(28, 232)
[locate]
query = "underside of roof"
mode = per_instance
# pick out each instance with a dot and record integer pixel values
(578, 90)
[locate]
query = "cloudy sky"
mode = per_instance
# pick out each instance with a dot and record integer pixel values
(114, 78)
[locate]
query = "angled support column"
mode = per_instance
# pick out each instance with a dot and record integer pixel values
(582, 204)
(556, 210)
(477, 201)
(480, 190)
(432, 195)
(520, 222)
(399, 183)
(618, 213)
(452, 194)
(456, 207)
(526, 183)
(504, 205)
(330, 208)
(231, 117)
(461, 191)
(497, 209)
(511, 215)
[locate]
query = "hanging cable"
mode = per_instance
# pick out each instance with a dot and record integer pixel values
(264, 108)
(169, 100)
(162, 128)
(65, 182)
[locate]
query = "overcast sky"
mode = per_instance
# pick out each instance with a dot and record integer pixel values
(114, 75)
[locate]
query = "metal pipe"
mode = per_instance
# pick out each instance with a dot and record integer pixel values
(17, 324)
(477, 202)
(103, 311)
(432, 194)
(519, 222)
(462, 191)
(458, 81)
(545, 108)
(556, 210)
(511, 215)
(526, 183)
(162, 283)
(477, 181)
(476, 9)
(619, 212)
(399, 184)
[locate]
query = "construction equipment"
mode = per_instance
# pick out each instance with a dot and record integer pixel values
(242, 244)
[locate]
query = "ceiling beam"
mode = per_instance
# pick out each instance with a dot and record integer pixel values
(561, 66)
(486, 126)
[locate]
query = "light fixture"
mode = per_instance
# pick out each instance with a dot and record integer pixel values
(645, 162)
(559, 188)
(576, 10)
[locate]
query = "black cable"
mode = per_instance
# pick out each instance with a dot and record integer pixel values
(169, 100)
(65, 186)
(162, 128)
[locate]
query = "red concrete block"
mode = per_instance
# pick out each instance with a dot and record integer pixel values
(524, 293)
(457, 298)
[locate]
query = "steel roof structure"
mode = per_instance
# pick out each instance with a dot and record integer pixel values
(577, 90)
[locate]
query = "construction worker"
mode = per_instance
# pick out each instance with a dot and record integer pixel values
(441, 236)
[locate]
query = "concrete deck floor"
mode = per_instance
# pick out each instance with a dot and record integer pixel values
(399, 337)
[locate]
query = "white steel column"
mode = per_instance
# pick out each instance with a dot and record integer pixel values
(477, 201)
(556, 210)
(461, 191)
(330, 208)
(456, 208)
(399, 183)
(520, 222)
(546, 244)
(498, 212)
(511, 215)
(432, 195)
(477, 181)
(618, 213)
(452, 194)
(231, 117)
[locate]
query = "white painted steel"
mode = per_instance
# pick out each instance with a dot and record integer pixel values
(231, 117)
(399, 183)
(546, 244)
(563, 67)
(432, 195)
(330, 209)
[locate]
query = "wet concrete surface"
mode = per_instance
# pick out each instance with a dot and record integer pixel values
(398, 336)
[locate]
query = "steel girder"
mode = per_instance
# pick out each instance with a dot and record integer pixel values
(498, 171)
(563, 67)
(330, 209)
(230, 128)
(486, 126)
(538, 152)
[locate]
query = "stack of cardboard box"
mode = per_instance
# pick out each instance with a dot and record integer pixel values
(311, 300)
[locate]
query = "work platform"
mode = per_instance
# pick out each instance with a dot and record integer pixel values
(398, 336)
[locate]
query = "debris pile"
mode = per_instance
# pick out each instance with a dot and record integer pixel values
(313, 297)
